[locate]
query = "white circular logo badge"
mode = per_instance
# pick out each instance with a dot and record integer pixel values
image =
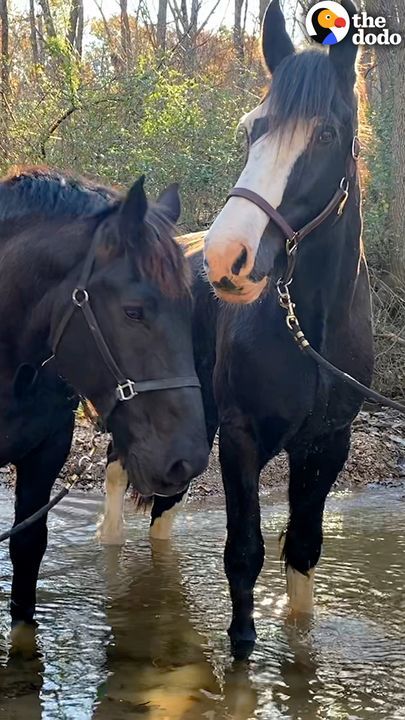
(328, 22)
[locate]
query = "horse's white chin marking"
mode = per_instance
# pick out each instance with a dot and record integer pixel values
(110, 530)
(300, 591)
(161, 528)
(241, 224)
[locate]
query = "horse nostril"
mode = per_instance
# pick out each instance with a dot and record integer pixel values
(240, 262)
(225, 284)
(179, 473)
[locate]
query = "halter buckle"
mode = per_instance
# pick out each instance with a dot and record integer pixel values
(80, 297)
(126, 391)
(291, 244)
(344, 185)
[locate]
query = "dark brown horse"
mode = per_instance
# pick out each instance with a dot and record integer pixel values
(94, 300)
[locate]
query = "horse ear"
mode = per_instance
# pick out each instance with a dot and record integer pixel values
(133, 211)
(169, 201)
(24, 380)
(343, 55)
(276, 42)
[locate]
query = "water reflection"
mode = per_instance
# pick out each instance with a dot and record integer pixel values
(157, 664)
(141, 632)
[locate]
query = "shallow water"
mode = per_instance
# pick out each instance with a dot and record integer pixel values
(140, 632)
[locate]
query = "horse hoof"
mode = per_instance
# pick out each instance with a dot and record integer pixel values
(110, 536)
(242, 649)
(242, 644)
(111, 540)
(23, 639)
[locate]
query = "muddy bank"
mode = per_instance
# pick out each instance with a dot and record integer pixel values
(377, 456)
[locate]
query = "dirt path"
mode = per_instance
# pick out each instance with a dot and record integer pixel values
(377, 456)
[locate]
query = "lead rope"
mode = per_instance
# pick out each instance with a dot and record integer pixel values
(83, 466)
(294, 327)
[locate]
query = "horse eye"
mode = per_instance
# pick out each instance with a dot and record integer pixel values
(327, 136)
(134, 313)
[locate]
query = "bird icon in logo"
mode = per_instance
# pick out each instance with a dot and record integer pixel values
(324, 21)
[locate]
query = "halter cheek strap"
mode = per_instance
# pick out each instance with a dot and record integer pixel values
(125, 389)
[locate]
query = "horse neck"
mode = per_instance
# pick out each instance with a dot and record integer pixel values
(326, 274)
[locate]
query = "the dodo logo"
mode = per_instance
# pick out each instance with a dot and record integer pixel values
(328, 23)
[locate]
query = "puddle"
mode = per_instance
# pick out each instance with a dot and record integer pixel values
(141, 632)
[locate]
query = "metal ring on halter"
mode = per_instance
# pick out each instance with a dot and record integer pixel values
(344, 185)
(80, 302)
(356, 148)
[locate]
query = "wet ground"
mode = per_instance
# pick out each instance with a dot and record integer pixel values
(141, 632)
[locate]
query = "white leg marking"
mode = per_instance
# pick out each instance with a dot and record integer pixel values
(300, 591)
(111, 527)
(161, 529)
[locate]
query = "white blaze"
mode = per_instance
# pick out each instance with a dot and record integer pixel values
(241, 224)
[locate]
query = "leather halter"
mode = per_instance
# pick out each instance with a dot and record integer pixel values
(125, 389)
(294, 237)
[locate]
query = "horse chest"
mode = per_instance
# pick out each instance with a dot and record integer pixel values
(260, 369)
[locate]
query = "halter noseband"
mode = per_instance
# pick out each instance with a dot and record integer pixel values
(294, 237)
(125, 389)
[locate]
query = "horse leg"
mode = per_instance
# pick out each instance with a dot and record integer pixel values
(244, 550)
(36, 474)
(312, 474)
(163, 515)
(110, 530)
(164, 510)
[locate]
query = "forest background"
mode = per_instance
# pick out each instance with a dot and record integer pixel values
(116, 88)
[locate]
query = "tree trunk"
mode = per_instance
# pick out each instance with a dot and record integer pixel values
(237, 31)
(397, 208)
(33, 34)
(161, 29)
(391, 70)
(5, 60)
(262, 9)
(5, 77)
(73, 22)
(48, 20)
(125, 34)
(80, 29)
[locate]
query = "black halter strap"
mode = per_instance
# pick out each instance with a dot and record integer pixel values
(125, 389)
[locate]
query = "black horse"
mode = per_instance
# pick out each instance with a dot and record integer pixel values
(270, 396)
(94, 300)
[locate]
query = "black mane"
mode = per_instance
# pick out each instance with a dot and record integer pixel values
(51, 193)
(45, 193)
(304, 86)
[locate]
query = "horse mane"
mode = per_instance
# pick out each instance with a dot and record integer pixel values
(304, 87)
(42, 192)
(39, 190)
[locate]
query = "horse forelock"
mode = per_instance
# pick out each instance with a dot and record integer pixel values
(159, 258)
(303, 89)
